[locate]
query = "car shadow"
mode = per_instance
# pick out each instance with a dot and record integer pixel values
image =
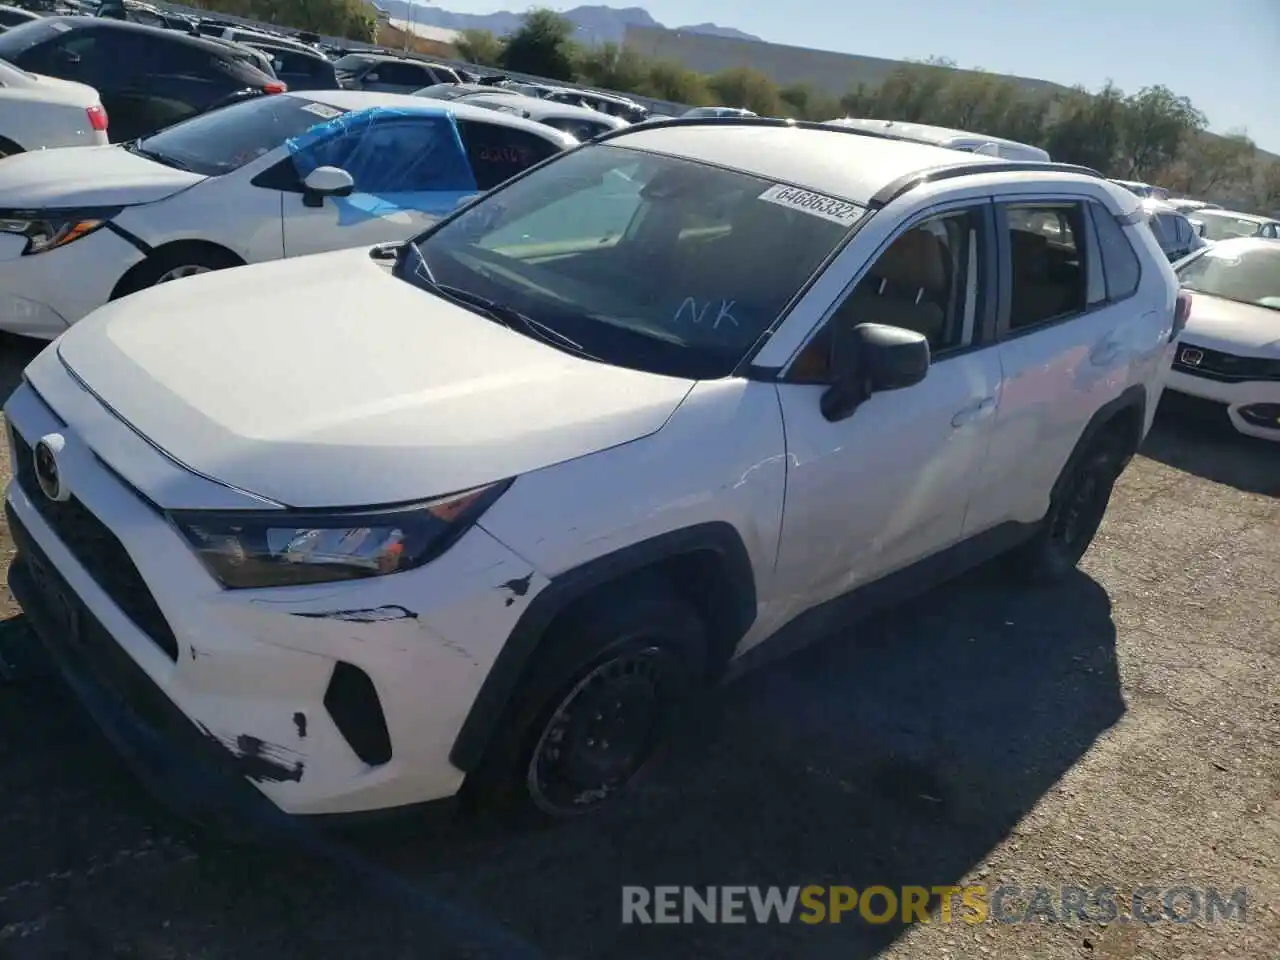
(898, 753)
(1210, 448)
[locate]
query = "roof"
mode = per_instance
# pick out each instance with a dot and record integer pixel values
(829, 161)
(544, 109)
(110, 23)
(364, 99)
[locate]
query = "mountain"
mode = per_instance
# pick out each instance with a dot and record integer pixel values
(595, 24)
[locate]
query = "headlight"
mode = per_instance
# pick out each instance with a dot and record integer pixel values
(289, 548)
(44, 231)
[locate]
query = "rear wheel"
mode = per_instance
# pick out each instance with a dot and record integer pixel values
(612, 687)
(1079, 503)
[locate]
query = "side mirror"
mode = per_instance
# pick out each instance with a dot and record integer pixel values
(871, 358)
(371, 78)
(326, 182)
(65, 58)
(1199, 227)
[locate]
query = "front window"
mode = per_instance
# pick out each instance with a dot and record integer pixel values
(225, 140)
(643, 260)
(1247, 273)
(1219, 226)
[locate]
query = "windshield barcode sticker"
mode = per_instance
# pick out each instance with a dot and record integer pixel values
(829, 208)
(322, 110)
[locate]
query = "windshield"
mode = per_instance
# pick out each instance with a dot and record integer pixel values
(646, 261)
(1220, 226)
(224, 140)
(1247, 273)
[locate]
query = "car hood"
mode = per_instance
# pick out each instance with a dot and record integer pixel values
(1233, 327)
(86, 177)
(323, 381)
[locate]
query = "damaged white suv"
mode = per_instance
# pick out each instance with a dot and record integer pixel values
(482, 511)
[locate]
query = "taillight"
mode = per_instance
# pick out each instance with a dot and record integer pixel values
(274, 86)
(97, 118)
(1181, 314)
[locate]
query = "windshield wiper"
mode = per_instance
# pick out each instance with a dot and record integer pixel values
(501, 313)
(135, 147)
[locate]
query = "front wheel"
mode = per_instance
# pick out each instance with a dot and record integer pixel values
(179, 263)
(612, 688)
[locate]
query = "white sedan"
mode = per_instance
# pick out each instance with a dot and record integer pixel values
(38, 111)
(1229, 352)
(273, 177)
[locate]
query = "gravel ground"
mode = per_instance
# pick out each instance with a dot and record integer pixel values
(1122, 729)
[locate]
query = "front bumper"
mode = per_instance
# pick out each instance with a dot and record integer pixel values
(244, 681)
(1234, 398)
(42, 295)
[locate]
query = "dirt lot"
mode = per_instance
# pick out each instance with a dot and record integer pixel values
(1123, 729)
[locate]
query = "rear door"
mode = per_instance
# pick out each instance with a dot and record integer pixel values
(1068, 333)
(408, 172)
(498, 152)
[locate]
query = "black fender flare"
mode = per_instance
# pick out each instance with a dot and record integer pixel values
(500, 685)
(1133, 397)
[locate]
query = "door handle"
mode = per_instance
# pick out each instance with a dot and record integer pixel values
(975, 411)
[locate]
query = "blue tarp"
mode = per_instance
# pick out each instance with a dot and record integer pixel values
(401, 158)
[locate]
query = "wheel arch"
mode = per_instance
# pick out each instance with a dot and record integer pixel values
(1122, 418)
(707, 565)
(129, 281)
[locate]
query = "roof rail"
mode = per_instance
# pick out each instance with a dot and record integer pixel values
(891, 191)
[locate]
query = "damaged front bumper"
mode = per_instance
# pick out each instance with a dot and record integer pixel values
(193, 774)
(335, 700)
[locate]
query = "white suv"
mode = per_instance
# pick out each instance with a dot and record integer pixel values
(484, 510)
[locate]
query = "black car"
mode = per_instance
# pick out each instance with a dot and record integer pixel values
(11, 17)
(388, 74)
(299, 69)
(148, 77)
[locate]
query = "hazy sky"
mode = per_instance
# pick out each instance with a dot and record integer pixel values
(1223, 54)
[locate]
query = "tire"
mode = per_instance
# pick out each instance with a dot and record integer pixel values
(611, 688)
(1079, 502)
(168, 265)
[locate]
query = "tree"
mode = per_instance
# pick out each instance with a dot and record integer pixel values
(1268, 189)
(543, 46)
(1217, 163)
(613, 67)
(744, 87)
(1087, 129)
(480, 47)
(670, 81)
(337, 18)
(1155, 124)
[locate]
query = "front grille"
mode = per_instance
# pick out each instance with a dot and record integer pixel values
(97, 550)
(1223, 367)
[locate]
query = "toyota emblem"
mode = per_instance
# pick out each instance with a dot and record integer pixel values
(1192, 357)
(48, 474)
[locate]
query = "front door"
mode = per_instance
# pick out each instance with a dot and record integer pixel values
(890, 484)
(408, 172)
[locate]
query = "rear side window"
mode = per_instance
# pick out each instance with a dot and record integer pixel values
(497, 153)
(1047, 263)
(404, 75)
(1120, 264)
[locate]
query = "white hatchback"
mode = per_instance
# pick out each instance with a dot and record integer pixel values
(272, 177)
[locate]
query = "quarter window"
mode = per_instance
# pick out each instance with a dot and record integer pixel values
(1046, 263)
(1120, 265)
(498, 153)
